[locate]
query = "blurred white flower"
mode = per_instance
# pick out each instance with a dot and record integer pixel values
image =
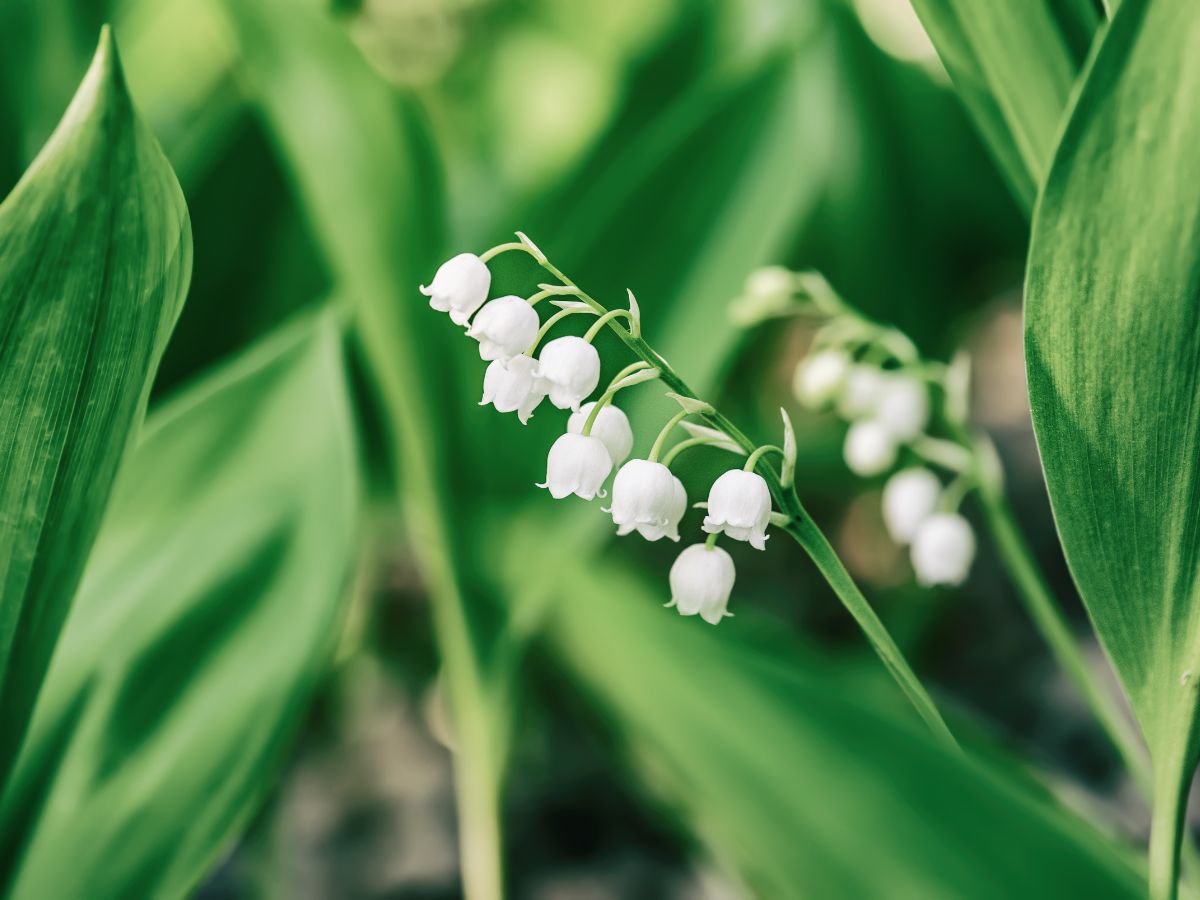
(459, 287)
(569, 369)
(511, 387)
(647, 498)
(701, 581)
(819, 379)
(870, 448)
(943, 550)
(611, 426)
(909, 498)
(577, 464)
(505, 327)
(860, 396)
(903, 406)
(739, 504)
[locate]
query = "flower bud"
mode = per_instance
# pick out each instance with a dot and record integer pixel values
(569, 369)
(510, 386)
(505, 327)
(459, 287)
(701, 581)
(909, 498)
(820, 378)
(739, 504)
(860, 396)
(903, 406)
(943, 550)
(647, 498)
(611, 426)
(577, 464)
(870, 448)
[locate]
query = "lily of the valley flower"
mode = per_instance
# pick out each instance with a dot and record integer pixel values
(611, 426)
(870, 448)
(860, 396)
(943, 550)
(647, 498)
(739, 504)
(504, 328)
(903, 406)
(459, 287)
(510, 386)
(577, 464)
(701, 581)
(909, 498)
(569, 370)
(820, 378)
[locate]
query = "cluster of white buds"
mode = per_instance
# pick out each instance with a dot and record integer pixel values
(647, 497)
(874, 378)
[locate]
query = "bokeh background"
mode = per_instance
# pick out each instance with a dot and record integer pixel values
(334, 153)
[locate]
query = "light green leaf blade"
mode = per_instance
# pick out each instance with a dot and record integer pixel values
(1113, 356)
(1013, 65)
(95, 257)
(207, 615)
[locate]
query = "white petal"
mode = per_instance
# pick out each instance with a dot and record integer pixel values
(611, 426)
(701, 581)
(943, 550)
(909, 498)
(870, 448)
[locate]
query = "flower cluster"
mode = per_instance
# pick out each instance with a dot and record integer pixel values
(647, 497)
(874, 378)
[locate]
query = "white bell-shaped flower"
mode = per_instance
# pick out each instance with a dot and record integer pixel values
(739, 504)
(569, 369)
(861, 392)
(510, 386)
(577, 464)
(903, 406)
(820, 378)
(611, 426)
(505, 327)
(647, 498)
(701, 581)
(870, 448)
(459, 287)
(909, 498)
(942, 550)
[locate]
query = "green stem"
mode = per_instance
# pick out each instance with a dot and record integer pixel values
(684, 445)
(752, 461)
(535, 299)
(656, 449)
(604, 320)
(550, 323)
(491, 254)
(1165, 826)
(605, 399)
(801, 527)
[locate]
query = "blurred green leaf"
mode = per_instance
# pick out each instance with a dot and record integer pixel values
(95, 257)
(1113, 352)
(207, 616)
(791, 772)
(1013, 65)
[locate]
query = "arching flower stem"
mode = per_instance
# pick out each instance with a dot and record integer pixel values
(656, 449)
(752, 461)
(687, 444)
(604, 320)
(552, 321)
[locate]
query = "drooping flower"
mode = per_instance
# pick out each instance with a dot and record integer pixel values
(909, 498)
(820, 378)
(739, 504)
(505, 327)
(701, 581)
(511, 387)
(942, 550)
(569, 369)
(611, 426)
(459, 287)
(647, 498)
(870, 448)
(860, 395)
(903, 406)
(577, 464)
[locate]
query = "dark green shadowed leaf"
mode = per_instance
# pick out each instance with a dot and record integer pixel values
(1013, 66)
(207, 616)
(1113, 355)
(95, 256)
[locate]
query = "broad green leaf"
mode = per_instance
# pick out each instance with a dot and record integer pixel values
(1113, 353)
(95, 256)
(207, 615)
(1013, 65)
(798, 775)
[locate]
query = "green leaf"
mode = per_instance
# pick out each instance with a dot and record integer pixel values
(798, 775)
(95, 257)
(1013, 66)
(1113, 353)
(207, 616)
